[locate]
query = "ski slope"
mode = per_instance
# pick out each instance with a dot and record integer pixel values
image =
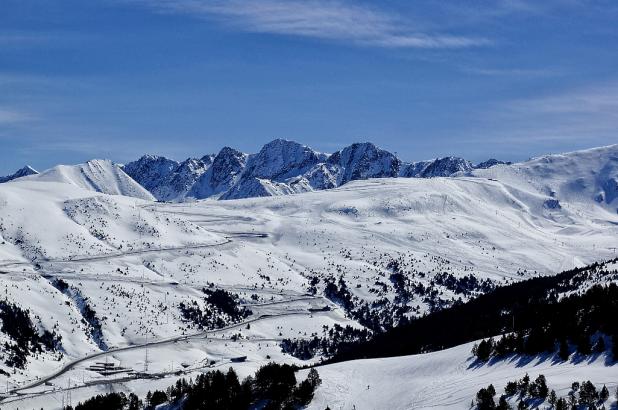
(447, 379)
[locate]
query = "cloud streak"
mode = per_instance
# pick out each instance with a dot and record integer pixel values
(332, 20)
(9, 116)
(587, 116)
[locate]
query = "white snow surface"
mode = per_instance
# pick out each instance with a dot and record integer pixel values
(136, 260)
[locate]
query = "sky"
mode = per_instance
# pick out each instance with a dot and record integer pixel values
(182, 78)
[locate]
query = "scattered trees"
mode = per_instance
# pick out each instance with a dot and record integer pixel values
(222, 308)
(18, 326)
(533, 393)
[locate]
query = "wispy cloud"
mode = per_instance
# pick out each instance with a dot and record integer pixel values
(587, 115)
(9, 116)
(334, 20)
(596, 100)
(513, 72)
(20, 39)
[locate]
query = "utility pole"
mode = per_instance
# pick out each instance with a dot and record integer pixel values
(146, 358)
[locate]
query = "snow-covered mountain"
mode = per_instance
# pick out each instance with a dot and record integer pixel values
(227, 167)
(167, 179)
(280, 160)
(150, 171)
(490, 163)
(22, 172)
(363, 161)
(367, 253)
(440, 167)
(281, 167)
(97, 175)
(580, 177)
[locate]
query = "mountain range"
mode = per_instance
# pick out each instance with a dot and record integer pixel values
(285, 167)
(281, 167)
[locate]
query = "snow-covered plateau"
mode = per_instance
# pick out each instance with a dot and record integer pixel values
(106, 274)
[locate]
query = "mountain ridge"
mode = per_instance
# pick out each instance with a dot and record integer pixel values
(282, 167)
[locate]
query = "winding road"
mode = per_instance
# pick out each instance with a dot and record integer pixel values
(202, 334)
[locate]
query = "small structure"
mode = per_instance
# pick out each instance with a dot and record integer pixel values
(321, 309)
(107, 369)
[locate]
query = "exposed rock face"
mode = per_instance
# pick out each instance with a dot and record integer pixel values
(440, 167)
(223, 174)
(490, 163)
(22, 172)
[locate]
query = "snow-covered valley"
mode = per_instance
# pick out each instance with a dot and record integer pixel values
(118, 278)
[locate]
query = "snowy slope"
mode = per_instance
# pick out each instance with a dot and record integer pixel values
(581, 177)
(96, 175)
(447, 379)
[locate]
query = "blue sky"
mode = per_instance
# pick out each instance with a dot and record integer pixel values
(478, 79)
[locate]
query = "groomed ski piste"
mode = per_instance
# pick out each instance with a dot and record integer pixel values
(447, 379)
(72, 246)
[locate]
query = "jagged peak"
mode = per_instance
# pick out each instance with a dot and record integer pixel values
(28, 168)
(229, 151)
(22, 172)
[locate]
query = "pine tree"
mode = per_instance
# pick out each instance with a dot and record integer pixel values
(588, 394)
(484, 349)
(511, 388)
(538, 388)
(604, 394)
(523, 384)
(134, 402)
(561, 404)
(314, 378)
(485, 398)
(552, 398)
